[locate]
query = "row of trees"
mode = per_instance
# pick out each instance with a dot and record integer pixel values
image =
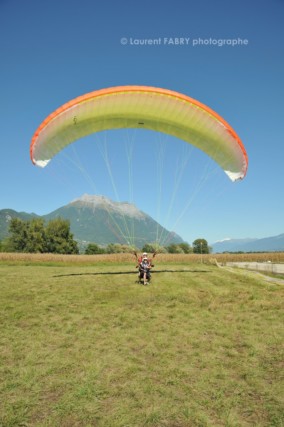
(36, 236)
(199, 246)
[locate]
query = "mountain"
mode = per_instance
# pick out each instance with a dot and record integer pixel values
(100, 220)
(267, 244)
(229, 245)
(97, 219)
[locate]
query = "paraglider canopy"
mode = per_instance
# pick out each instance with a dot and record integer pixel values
(145, 107)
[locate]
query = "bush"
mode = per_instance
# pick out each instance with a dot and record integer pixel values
(94, 249)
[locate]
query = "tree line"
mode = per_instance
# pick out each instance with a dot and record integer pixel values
(37, 236)
(199, 246)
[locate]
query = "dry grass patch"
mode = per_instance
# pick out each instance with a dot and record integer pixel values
(25, 258)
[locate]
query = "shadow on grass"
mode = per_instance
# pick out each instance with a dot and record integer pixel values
(129, 272)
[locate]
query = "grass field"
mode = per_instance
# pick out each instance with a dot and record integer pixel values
(198, 347)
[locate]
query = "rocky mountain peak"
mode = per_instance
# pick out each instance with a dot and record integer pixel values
(101, 202)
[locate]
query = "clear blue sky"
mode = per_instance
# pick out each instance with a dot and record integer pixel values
(53, 51)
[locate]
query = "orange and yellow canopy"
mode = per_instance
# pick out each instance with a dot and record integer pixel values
(146, 107)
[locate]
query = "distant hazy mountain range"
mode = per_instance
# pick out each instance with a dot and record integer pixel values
(100, 220)
(268, 244)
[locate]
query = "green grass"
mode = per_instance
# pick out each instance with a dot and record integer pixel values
(198, 348)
